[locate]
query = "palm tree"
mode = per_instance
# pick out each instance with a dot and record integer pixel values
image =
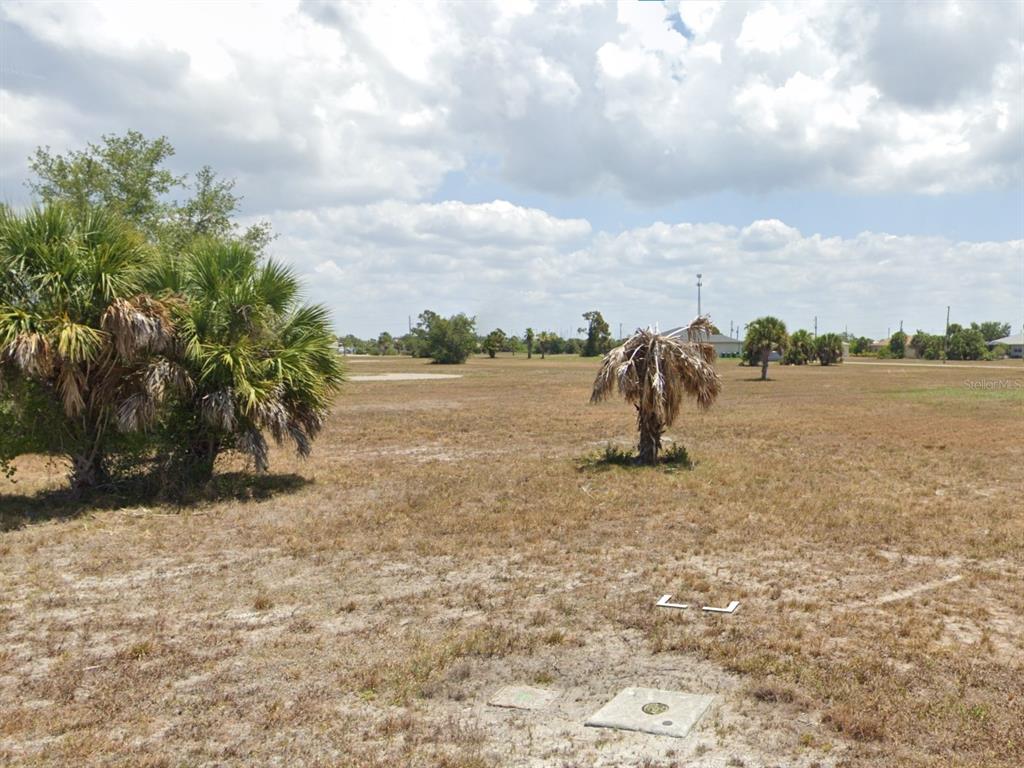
(801, 348)
(258, 360)
(652, 372)
(829, 348)
(78, 337)
(765, 335)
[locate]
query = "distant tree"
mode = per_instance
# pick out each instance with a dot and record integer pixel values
(967, 344)
(494, 342)
(546, 343)
(513, 344)
(353, 344)
(599, 337)
(801, 349)
(448, 340)
(928, 346)
(528, 338)
(860, 345)
(385, 343)
(765, 335)
(992, 330)
(898, 344)
(829, 348)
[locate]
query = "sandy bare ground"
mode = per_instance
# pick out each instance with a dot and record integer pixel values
(445, 540)
(404, 376)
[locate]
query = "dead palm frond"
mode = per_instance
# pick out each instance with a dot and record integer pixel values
(138, 323)
(653, 372)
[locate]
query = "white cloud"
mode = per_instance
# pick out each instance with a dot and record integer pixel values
(341, 121)
(353, 102)
(515, 266)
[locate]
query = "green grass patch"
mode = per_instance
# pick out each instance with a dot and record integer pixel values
(670, 459)
(1010, 391)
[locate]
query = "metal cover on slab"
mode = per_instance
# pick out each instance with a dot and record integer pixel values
(523, 697)
(663, 713)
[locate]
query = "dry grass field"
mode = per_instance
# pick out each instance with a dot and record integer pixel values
(445, 539)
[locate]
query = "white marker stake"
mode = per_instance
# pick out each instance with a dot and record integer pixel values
(730, 608)
(664, 603)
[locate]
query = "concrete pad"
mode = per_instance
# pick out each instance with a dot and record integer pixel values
(523, 697)
(662, 713)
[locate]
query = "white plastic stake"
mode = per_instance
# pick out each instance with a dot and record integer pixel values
(664, 603)
(730, 608)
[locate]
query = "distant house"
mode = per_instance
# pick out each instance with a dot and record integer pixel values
(725, 346)
(1015, 344)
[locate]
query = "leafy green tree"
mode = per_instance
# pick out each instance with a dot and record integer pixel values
(528, 338)
(927, 345)
(861, 345)
(546, 343)
(257, 359)
(124, 174)
(448, 340)
(801, 349)
(82, 347)
(967, 344)
(210, 212)
(898, 344)
(385, 344)
(599, 337)
(494, 342)
(828, 348)
(992, 329)
(127, 174)
(764, 336)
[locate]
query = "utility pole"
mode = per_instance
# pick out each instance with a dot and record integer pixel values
(945, 342)
(699, 284)
(815, 326)
(620, 330)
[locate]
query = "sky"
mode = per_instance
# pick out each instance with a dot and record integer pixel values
(858, 163)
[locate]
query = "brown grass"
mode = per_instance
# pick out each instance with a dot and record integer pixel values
(447, 542)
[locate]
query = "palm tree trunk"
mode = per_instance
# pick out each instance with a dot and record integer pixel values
(764, 364)
(88, 461)
(88, 470)
(650, 438)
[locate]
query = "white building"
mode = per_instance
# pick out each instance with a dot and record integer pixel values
(725, 346)
(1015, 344)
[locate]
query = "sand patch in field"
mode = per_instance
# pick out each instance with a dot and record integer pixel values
(405, 376)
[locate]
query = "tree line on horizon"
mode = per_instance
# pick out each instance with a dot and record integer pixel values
(451, 340)
(141, 338)
(958, 343)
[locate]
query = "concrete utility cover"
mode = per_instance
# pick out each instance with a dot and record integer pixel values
(523, 697)
(663, 713)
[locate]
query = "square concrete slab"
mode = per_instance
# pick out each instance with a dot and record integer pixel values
(523, 697)
(663, 713)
